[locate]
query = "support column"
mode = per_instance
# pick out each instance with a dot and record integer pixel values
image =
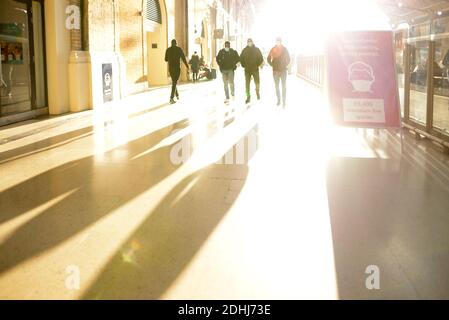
(213, 23)
(78, 70)
(58, 52)
(182, 31)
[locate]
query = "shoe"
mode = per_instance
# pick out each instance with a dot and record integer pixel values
(258, 96)
(278, 103)
(172, 101)
(226, 101)
(248, 100)
(177, 98)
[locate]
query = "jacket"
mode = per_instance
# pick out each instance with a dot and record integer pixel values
(227, 60)
(195, 62)
(251, 58)
(173, 56)
(279, 58)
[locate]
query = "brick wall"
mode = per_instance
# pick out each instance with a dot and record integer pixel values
(133, 43)
(117, 26)
(101, 25)
(75, 35)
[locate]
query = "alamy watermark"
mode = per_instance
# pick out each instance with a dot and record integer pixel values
(73, 279)
(73, 20)
(373, 280)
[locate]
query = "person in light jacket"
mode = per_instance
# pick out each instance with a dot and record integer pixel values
(279, 60)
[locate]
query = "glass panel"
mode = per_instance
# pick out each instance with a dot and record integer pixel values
(419, 53)
(15, 95)
(441, 83)
(440, 25)
(399, 41)
(420, 30)
(39, 54)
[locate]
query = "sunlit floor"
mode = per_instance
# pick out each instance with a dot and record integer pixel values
(200, 200)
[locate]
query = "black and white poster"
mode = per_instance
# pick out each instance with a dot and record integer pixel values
(108, 90)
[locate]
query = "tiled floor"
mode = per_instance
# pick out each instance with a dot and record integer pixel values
(205, 201)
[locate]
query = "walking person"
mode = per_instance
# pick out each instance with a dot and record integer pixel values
(195, 65)
(227, 60)
(173, 56)
(251, 59)
(279, 60)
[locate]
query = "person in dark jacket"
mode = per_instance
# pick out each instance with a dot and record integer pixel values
(251, 59)
(173, 56)
(195, 65)
(279, 60)
(227, 59)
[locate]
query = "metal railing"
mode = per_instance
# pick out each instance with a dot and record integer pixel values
(311, 68)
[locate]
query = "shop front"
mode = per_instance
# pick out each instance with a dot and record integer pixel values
(422, 58)
(23, 93)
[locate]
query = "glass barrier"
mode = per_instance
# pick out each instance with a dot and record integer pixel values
(419, 53)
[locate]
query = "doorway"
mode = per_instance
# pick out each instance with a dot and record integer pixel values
(22, 63)
(156, 38)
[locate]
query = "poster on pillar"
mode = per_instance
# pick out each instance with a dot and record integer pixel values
(108, 93)
(362, 84)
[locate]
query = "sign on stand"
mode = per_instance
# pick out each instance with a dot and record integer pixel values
(362, 84)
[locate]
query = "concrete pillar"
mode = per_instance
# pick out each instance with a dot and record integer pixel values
(79, 81)
(206, 41)
(181, 30)
(213, 22)
(78, 69)
(58, 52)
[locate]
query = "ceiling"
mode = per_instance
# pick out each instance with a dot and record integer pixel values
(400, 10)
(409, 10)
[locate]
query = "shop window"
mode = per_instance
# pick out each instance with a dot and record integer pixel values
(419, 53)
(399, 42)
(22, 64)
(15, 65)
(419, 30)
(441, 78)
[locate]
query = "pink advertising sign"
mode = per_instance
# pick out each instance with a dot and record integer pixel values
(363, 89)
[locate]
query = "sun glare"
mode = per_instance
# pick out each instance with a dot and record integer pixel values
(304, 25)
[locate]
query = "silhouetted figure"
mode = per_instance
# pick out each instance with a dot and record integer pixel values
(173, 56)
(251, 59)
(227, 59)
(195, 65)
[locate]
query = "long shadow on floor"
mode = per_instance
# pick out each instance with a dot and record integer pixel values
(58, 140)
(45, 145)
(83, 192)
(392, 214)
(154, 256)
(59, 203)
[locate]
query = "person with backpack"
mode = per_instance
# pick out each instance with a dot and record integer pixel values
(195, 65)
(279, 60)
(227, 60)
(173, 56)
(251, 59)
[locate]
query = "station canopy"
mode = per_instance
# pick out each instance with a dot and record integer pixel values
(407, 11)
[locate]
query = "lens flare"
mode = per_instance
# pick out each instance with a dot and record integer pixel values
(305, 25)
